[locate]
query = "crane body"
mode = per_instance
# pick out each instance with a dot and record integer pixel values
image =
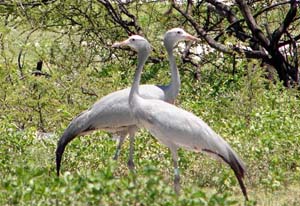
(112, 113)
(175, 127)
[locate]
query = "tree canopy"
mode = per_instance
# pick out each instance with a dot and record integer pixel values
(241, 78)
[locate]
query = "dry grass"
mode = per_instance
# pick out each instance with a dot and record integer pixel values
(287, 196)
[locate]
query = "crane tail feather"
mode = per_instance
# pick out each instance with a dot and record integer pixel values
(75, 128)
(61, 145)
(242, 186)
(236, 165)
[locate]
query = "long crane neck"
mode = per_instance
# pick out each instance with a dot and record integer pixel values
(142, 57)
(175, 77)
(175, 83)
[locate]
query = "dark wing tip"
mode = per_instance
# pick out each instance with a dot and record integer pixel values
(72, 131)
(236, 165)
(239, 170)
(242, 185)
(59, 152)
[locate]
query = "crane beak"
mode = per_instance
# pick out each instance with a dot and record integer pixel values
(191, 37)
(120, 44)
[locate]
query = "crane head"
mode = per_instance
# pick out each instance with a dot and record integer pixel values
(175, 35)
(136, 42)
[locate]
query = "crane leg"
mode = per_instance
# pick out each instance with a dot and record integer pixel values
(131, 151)
(131, 148)
(176, 171)
(121, 139)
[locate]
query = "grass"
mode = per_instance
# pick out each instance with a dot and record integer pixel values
(262, 125)
(91, 177)
(288, 195)
(259, 119)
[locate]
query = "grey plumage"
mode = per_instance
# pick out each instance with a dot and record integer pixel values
(112, 112)
(175, 127)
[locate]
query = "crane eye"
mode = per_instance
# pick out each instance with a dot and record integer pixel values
(132, 39)
(178, 32)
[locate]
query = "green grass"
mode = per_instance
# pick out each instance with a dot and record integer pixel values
(259, 119)
(91, 177)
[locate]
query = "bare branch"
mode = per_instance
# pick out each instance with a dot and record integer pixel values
(118, 19)
(131, 16)
(256, 54)
(29, 4)
(294, 50)
(268, 8)
(285, 24)
(201, 32)
(20, 66)
(296, 38)
(189, 5)
(231, 17)
(213, 43)
(256, 31)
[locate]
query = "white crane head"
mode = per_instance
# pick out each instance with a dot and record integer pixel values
(175, 35)
(135, 42)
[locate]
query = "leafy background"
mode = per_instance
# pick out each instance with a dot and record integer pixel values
(259, 118)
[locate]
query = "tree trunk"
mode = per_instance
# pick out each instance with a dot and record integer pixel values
(287, 73)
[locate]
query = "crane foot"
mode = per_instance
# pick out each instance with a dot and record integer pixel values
(177, 184)
(130, 165)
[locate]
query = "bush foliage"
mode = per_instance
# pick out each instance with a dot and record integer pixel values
(259, 118)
